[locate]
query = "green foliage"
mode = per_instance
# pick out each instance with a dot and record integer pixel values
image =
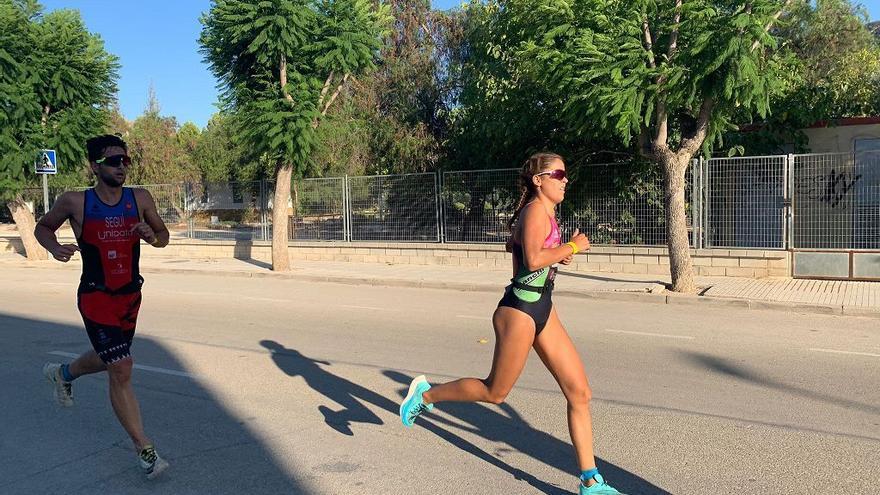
(56, 83)
(160, 152)
(502, 112)
(831, 71)
(595, 56)
(252, 46)
(220, 158)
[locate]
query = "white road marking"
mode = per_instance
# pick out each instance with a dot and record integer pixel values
(265, 299)
(833, 351)
(648, 334)
(235, 296)
(469, 317)
(365, 307)
(188, 293)
(137, 366)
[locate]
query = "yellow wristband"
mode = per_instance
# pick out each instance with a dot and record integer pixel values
(574, 247)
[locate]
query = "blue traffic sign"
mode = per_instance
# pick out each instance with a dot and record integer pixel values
(46, 162)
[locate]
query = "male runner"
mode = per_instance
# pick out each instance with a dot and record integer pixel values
(109, 222)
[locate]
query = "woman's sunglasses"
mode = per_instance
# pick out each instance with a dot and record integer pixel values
(557, 174)
(115, 161)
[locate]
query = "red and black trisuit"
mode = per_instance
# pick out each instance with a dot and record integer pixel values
(109, 294)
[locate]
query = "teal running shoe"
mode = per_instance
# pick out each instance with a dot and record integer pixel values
(412, 406)
(600, 488)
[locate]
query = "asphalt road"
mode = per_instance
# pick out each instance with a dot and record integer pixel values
(280, 386)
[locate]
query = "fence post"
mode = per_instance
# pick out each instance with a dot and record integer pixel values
(704, 222)
(707, 202)
(346, 210)
(788, 202)
(696, 203)
(190, 231)
(185, 205)
(438, 194)
(262, 209)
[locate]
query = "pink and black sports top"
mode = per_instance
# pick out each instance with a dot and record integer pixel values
(110, 251)
(528, 285)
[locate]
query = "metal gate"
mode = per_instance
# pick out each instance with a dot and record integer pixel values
(836, 216)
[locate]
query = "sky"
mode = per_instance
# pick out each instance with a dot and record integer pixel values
(156, 43)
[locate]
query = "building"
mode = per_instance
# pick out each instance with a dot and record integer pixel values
(848, 135)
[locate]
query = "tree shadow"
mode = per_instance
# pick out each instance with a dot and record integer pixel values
(511, 429)
(243, 251)
(610, 279)
(726, 367)
(84, 450)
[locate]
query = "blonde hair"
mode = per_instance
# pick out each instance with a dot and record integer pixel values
(534, 165)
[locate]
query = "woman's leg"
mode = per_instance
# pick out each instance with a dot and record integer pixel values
(514, 335)
(558, 353)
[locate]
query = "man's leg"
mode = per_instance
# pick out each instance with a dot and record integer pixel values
(124, 402)
(127, 410)
(61, 375)
(86, 364)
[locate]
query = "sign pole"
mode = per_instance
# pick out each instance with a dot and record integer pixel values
(45, 164)
(45, 193)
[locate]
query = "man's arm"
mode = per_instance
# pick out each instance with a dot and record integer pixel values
(152, 229)
(52, 221)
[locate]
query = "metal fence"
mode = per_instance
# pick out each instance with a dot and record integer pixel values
(620, 204)
(320, 211)
(611, 203)
(827, 201)
(744, 202)
(476, 205)
(836, 201)
(394, 208)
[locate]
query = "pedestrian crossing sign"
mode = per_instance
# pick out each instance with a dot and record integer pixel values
(46, 162)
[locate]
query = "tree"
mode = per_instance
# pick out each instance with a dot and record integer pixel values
(216, 154)
(395, 119)
(116, 121)
(668, 76)
(160, 153)
(56, 85)
(283, 64)
(833, 72)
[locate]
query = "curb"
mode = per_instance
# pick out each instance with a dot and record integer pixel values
(642, 297)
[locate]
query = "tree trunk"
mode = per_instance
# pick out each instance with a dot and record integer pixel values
(25, 223)
(680, 264)
(280, 257)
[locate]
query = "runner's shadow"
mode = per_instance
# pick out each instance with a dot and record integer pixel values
(511, 429)
(349, 395)
(341, 391)
(83, 449)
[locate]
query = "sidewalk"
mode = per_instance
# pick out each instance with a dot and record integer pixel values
(805, 296)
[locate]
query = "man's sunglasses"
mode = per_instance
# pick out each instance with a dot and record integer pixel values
(114, 161)
(557, 174)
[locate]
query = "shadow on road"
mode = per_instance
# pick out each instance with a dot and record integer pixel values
(84, 450)
(341, 391)
(510, 428)
(610, 279)
(726, 367)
